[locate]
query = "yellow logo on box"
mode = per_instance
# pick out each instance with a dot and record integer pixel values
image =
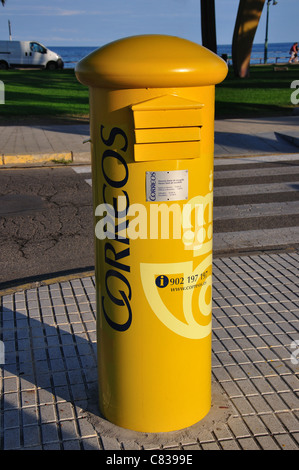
(155, 284)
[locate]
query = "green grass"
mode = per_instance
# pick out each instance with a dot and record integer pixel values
(41, 93)
(265, 93)
(44, 95)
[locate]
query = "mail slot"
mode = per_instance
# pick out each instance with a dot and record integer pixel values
(167, 119)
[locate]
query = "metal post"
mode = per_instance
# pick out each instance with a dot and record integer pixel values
(267, 26)
(9, 30)
(266, 38)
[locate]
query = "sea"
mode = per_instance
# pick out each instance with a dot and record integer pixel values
(277, 53)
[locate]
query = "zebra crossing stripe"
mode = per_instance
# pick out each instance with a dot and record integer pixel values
(255, 239)
(255, 159)
(251, 189)
(284, 170)
(258, 203)
(269, 207)
(256, 210)
(84, 169)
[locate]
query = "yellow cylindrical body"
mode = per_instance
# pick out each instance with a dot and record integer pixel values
(152, 164)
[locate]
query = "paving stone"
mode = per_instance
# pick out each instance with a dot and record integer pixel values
(92, 443)
(72, 445)
(51, 364)
(31, 436)
(229, 445)
(49, 433)
(12, 439)
(249, 444)
(267, 442)
(11, 419)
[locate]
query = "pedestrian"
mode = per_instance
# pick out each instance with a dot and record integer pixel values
(294, 53)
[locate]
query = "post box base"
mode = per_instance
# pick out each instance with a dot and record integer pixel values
(140, 425)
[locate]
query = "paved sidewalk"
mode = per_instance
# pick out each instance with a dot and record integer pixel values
(261, 136)
(233, 137)
(49, 380)
(42, 143)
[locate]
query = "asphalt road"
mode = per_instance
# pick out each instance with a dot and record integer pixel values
(46, 223)
(46, 216)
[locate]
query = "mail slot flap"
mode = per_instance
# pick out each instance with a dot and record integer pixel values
(167, 134)
(166, 151)
(167, 111)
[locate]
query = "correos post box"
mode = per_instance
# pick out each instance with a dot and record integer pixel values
(152, 139)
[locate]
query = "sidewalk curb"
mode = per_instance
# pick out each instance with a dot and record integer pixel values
(83, 158)
(36, 158)
(15, 287)
(293, 139)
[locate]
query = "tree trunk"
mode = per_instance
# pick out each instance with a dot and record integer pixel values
(208, 25)
(247, 21)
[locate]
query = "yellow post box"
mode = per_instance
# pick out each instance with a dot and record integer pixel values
(152, 138)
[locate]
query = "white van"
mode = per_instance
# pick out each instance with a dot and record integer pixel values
(28, 54)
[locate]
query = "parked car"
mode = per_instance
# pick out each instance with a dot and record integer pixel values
(28, 54)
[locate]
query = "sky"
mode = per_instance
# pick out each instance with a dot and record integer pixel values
(98, 22)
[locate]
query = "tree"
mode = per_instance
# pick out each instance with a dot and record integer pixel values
(249, 13)
(208, 24)
(247, 21)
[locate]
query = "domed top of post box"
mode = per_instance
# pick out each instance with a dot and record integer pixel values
(151, 61)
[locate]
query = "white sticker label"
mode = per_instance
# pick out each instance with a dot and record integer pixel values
(167, 185)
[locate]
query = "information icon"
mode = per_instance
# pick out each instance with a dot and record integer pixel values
(162, 281)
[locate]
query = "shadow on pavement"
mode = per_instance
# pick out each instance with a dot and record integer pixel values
(50, 373)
